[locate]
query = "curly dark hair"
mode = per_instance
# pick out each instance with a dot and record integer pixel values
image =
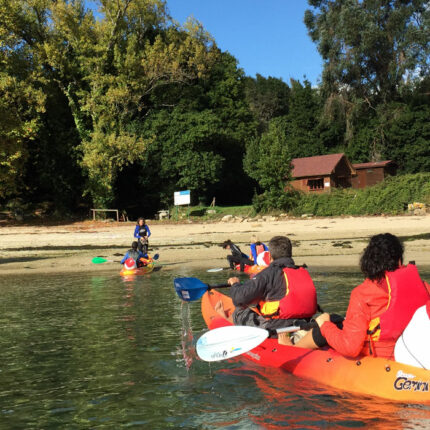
(382, 254)
(280, 246)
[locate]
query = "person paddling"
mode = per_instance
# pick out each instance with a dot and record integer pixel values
(283, 292)
(135, 255)
(142, 233)
(379, 309)
(237, 256)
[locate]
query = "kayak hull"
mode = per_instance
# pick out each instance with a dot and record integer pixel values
(365, 375)
(251, 270)
(139, 271)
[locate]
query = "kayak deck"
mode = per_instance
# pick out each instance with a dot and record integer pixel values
(365, 375)
(139, 271)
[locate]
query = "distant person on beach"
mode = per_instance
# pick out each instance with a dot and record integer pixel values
(142, 233)
(237, 256)
(260, 252)
(284, 294)
(135, 255)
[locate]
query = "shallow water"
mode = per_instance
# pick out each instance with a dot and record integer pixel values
(94, 351)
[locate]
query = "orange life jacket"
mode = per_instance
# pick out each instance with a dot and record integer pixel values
(300, 299)
(406, 293)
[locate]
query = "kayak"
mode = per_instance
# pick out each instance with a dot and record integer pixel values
(250, 270)
(365, 375)
(138, 271)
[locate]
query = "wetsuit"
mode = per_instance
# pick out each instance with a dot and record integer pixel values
(238, 257)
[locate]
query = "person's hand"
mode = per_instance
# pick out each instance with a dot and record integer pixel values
(322, 318)
(234, 280)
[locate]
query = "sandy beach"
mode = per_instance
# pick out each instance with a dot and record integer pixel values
(318, 242)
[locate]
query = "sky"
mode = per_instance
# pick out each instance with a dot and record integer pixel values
(267, 37)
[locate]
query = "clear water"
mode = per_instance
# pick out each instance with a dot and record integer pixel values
(84, 351)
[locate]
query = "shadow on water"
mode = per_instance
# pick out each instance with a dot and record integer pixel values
(20, 259)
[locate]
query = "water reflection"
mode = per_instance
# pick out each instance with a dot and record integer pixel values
(86, 351)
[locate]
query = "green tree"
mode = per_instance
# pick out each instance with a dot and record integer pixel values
(268, 98)
(268, 161)
(374, 52)
(370, 48)
(107, 68)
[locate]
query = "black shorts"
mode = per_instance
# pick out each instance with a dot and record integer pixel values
(317, 336)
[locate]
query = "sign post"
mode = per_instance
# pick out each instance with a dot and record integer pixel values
(182, 198)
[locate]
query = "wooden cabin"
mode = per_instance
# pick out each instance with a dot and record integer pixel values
(369, 174)
(321, 173)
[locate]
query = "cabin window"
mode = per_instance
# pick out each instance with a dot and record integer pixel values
(316, 184)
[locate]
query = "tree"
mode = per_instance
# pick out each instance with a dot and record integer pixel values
(268, 98)
(107, 68)
(268, 161)
(370, 48)
(374, 51)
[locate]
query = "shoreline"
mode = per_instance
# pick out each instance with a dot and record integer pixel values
(318, 242)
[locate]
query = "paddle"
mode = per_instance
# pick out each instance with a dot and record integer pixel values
(100, 260)
(190, 289)
(228, 342)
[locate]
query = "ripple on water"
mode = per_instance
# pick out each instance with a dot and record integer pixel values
(88, 351)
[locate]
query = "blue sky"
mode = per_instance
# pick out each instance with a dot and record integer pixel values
(266, 36)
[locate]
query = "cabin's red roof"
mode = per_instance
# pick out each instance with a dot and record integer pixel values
(372, 164)
(315, 166)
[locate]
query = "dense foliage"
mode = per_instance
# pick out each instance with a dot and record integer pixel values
(121, 106)
(389, 197)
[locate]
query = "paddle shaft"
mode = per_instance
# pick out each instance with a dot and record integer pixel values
(211, 287)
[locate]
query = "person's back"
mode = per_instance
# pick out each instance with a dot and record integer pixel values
(379, 309)
(133, 253)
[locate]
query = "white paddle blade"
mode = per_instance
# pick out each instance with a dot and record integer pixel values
(218, 269)
(228, 342)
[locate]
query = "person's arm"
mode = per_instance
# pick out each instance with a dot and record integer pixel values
(254, 252)
(147, 230)
(250, 292)
(124, 258)
(136, 232)
(350, 339)
(265, 247)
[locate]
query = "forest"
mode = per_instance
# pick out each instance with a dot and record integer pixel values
(123, 106)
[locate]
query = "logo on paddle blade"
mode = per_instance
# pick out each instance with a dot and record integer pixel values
(219, 355)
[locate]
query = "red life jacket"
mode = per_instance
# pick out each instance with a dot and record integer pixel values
(259, 249)
(406, 293)
(300, 299)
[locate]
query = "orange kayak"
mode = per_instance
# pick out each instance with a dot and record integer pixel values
(366, 375)
(251, 270)
(138, 271)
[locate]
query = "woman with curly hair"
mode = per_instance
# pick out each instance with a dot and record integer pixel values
(379, 309)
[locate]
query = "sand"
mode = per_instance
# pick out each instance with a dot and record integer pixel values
(318, 242)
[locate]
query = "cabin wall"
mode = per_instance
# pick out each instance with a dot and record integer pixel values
(368, 177)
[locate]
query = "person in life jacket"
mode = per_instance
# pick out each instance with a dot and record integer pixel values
(412, 347)
(379, 309)
(237, 256)
(142, 233)
(283, 294)
(260, 252)
(134, 254)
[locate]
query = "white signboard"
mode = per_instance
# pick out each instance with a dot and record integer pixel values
(182, 197)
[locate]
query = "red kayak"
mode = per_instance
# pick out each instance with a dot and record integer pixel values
(366, 375)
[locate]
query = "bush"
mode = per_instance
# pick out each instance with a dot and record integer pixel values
(388, 197)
